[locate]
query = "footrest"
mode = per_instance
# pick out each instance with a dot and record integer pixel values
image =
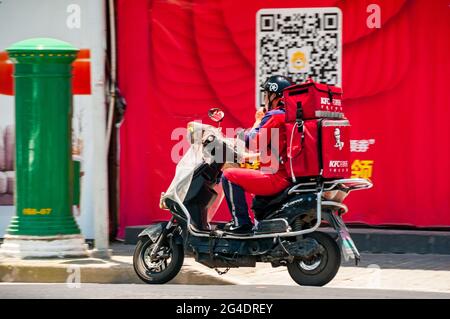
(278, 225)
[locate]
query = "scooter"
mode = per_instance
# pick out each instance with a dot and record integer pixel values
(286, 225)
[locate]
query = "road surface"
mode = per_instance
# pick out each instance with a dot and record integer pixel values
(125, 291)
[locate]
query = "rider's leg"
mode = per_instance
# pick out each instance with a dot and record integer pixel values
(237, 204)
(257, 182)
(237, 181)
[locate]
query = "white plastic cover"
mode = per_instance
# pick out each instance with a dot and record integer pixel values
(184, 172)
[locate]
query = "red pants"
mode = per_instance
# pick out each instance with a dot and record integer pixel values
(257, 182)
(237, 181)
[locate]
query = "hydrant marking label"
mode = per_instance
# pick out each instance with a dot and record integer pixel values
(34, 211)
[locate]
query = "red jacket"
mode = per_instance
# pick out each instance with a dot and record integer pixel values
(271, 126)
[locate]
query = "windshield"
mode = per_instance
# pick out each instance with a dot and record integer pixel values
(184, 172)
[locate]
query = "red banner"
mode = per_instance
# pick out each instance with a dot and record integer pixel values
(179, 58)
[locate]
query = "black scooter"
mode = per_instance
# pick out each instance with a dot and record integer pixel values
(286, 232)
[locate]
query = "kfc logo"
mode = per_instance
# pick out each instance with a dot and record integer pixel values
(338, 164)
(334, 104)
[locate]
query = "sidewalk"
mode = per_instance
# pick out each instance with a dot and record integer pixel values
(378, 271)
(382, 271)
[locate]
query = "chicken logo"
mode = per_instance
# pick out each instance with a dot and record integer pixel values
(337, 136)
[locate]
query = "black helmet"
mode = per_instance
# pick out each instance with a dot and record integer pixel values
(276, 84)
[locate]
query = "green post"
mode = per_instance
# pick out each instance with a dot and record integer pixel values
(44, 167)
(76, 180)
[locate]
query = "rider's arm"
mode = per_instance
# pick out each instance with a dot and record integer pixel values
(258, 117)
(271, 120)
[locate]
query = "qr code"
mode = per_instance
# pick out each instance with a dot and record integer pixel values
(300, 43)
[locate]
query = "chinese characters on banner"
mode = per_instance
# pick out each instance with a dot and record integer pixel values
(361, 168)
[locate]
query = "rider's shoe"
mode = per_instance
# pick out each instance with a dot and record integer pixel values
(241, 229)
(225, 226)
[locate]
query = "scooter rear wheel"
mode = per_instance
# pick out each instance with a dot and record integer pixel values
(171, 257)
(321, 269)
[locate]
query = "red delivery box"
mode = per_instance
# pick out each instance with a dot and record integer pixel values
(313, 100)
(324, 149)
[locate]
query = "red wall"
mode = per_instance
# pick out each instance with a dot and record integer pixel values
(179, 58)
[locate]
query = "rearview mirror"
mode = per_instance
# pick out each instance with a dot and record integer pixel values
(216, 114)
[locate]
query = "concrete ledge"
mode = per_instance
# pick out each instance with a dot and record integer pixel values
(374, 240)
(15, 246)
(117, 270)
(26, 272)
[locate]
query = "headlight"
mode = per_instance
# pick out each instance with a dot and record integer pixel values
(194, 132)
(190, 132)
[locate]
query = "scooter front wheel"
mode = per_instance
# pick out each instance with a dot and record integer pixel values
(322, 268)
(163, 268)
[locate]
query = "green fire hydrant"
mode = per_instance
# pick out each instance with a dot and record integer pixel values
(44, 168)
